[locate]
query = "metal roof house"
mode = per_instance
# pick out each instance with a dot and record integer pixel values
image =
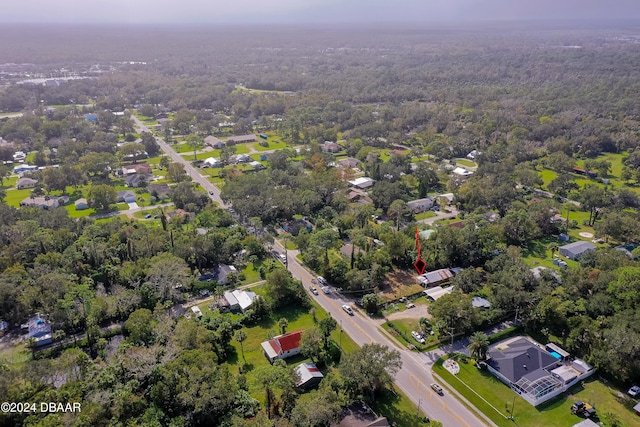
(240, 300)
(362, 182)
(576, 249)
(309, 375)
(282, 346)
(437, 292)
(435, 277)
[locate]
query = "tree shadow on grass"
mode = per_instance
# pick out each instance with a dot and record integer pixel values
(291, 313)
(387, 405)
(538, 248)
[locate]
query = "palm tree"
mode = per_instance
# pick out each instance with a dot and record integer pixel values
(241, 336)
(478, 346)
(553, 247)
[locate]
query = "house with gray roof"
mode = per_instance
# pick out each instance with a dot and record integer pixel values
(81, 204)
(576, 249)
(420, 205)
(126, 196)
(26, 182)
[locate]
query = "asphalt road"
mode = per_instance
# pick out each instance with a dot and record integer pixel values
(212, 190)
(414, 377)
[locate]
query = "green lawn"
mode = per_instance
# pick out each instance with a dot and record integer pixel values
(272, 145)
(251, 273)
(495, 400)
(15, 354)
(14, 197)
(466, 162)
(547, 176)
(398, 409)
(299, 318)
(425, 215)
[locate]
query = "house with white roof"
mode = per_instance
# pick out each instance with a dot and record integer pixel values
(462, 172)
(309, 375)
(362, 182)
(240, 300)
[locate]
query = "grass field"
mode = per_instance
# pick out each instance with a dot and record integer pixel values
(466, 162)
(547, 176)
(425, 215)
(14, 197)
(496, 400)
(272, 145)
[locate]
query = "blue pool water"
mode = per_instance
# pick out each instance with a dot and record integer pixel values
(555, 354)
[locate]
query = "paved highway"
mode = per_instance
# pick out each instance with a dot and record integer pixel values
(414, 377)
(212, 190)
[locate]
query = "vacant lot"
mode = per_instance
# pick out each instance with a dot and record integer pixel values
(400, 283)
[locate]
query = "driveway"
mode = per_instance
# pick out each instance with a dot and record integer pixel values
(133, 205)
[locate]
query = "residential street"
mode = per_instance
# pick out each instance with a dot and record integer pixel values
(414, 377)
(212, 190)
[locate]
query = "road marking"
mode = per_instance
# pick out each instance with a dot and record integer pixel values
(417, 383)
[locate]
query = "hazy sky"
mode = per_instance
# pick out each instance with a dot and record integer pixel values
(320, 11)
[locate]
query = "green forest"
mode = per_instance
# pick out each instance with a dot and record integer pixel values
(544, 123)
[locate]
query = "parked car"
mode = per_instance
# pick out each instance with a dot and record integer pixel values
(634, 391)
(326, 289)
(313, 290)
(418, 337)
(147, 216)
(282, 258)
(347, 309)
(321, 280)
(435, 387)
(410, 305)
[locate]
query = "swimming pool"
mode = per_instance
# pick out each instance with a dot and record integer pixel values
(555, 354)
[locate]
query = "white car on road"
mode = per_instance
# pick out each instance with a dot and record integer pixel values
(347, 309)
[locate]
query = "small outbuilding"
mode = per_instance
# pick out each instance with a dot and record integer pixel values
(309, 375)
(81, 204)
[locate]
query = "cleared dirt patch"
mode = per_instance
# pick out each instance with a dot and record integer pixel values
(400, 283)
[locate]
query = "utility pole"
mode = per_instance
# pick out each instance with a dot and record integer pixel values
(452, 328)
(515, 321)
(513, 405)
(340, 334)
(419, 404)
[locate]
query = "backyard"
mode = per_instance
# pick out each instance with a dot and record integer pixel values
(496, 400)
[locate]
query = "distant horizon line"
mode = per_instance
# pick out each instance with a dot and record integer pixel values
(290, 23)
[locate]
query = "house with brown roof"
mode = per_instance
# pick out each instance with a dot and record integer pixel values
(283, 346)
(330, 147)
(349, 163)
(140, 168)
(214, 142)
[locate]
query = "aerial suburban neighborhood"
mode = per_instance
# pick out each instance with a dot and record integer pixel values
(320, 227)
